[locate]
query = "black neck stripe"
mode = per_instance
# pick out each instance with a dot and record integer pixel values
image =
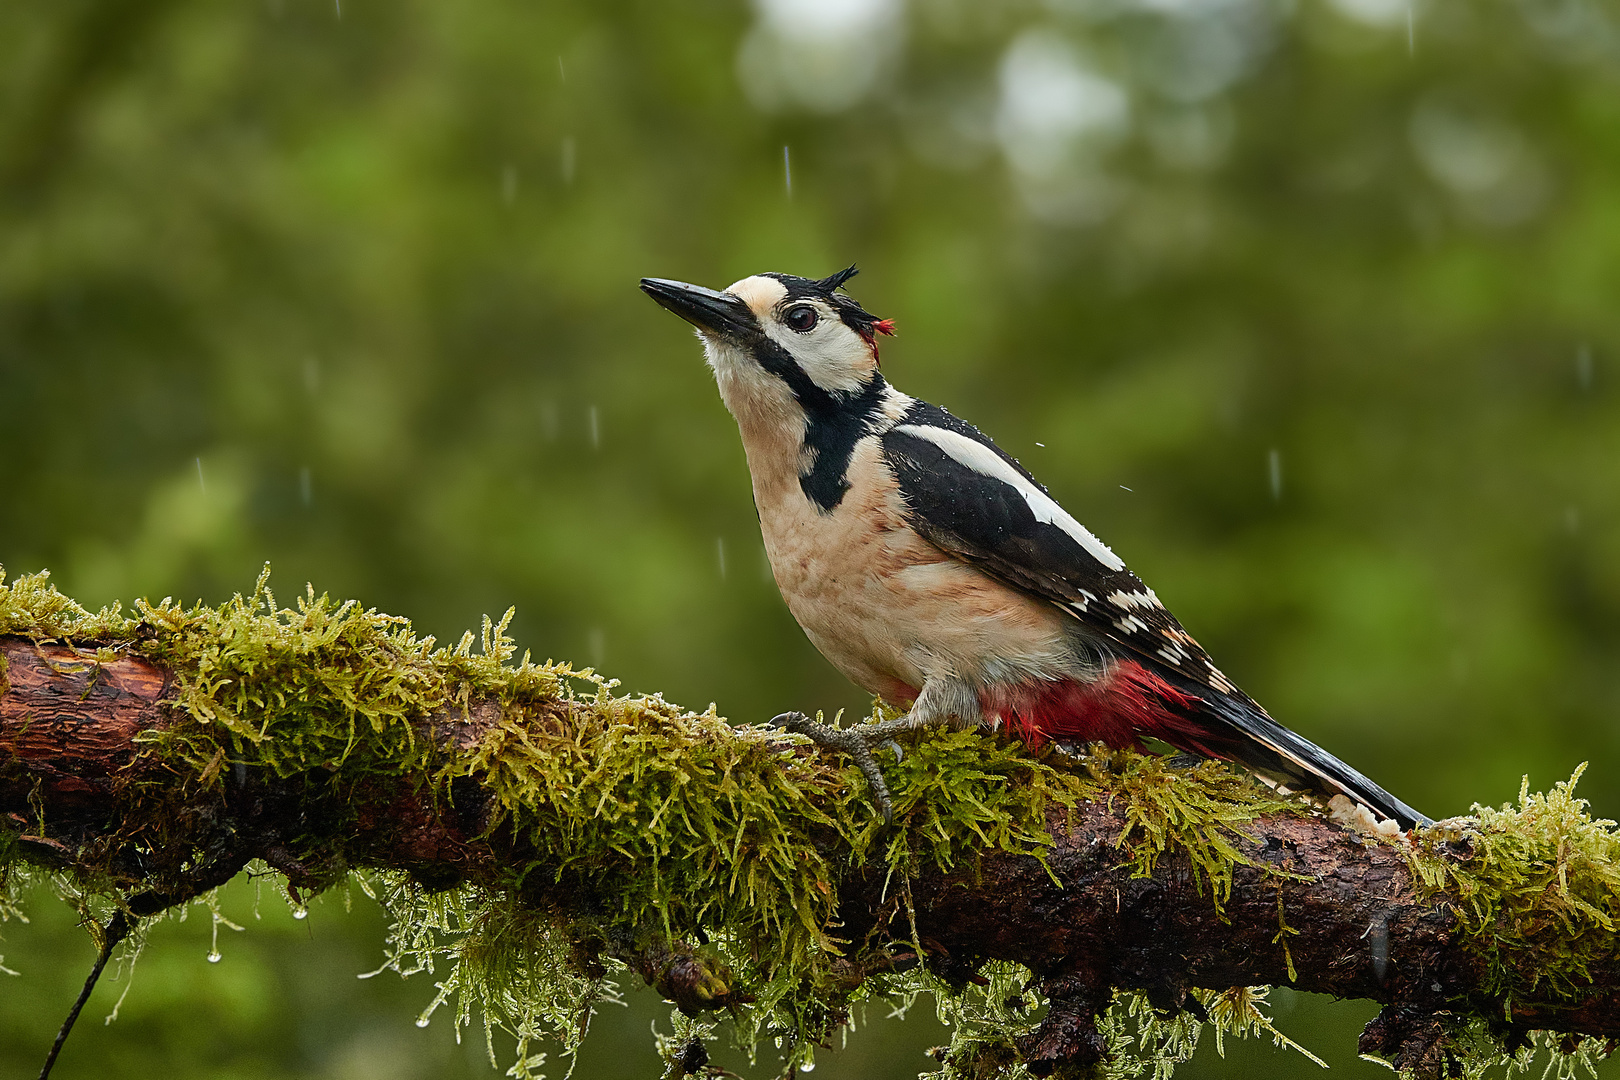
(835, 422)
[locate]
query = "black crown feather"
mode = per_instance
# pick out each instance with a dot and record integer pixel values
(837, 280)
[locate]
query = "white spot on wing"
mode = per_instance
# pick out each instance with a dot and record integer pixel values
(1125, 601)
(1218, 680)
(1173, 654)
(983, 460)
(1130, 624)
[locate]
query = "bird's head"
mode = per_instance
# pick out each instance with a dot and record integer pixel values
(774, 335)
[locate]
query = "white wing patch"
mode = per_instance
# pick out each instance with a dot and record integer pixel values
(1130, 624)
(1125, 601)
(1218, 680)
(982, 460)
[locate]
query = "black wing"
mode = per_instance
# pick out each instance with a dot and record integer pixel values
(984, 513)
(968, 497)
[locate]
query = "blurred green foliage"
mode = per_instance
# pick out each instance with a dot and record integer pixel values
(1308, 307)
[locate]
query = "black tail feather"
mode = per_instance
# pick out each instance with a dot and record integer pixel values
(1258, 741)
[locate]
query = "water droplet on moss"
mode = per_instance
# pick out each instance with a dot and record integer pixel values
(214, 957)
(300, 913)
(421, 1021)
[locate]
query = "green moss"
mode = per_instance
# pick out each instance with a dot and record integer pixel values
(1545, 1055)
(1141, 1040)
(1536, 889)
(1198, 811)
(650, 826)
(32, 606)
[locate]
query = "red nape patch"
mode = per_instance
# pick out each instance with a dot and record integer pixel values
(878, 326)
(1118, 709)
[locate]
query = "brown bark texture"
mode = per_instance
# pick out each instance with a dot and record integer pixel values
(70, 758)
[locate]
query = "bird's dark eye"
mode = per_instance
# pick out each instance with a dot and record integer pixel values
(801, 319)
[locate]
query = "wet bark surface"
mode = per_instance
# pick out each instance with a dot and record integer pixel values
(70, 758)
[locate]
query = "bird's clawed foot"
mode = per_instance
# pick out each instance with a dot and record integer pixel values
(858, 742)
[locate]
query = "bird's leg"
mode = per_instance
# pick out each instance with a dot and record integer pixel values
(858, 742)
(944, 698)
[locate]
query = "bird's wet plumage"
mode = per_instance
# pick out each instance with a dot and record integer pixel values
(933, 570)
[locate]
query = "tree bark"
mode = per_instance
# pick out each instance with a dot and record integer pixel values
(72, 766)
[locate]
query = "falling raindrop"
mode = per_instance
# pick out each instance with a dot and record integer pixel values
(1041, 445)
(509, 184)
(787, 171)
(338, 4)
(596, 428)
(200, 485)
(1274, 471)
(1583, 367)
(597, 646)
(720, 550)
(214, 957)
(1377, 936)
(562, 72)
(1122, 487)
(306, 490)
(568, 159)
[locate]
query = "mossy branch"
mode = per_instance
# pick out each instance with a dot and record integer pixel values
(537, 832)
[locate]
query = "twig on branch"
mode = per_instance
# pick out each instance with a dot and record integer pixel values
(572, 830)
(116, 930)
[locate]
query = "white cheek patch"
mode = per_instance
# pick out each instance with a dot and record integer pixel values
(835, 357)
(981, 459)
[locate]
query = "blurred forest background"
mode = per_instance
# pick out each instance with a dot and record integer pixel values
(1310, 308)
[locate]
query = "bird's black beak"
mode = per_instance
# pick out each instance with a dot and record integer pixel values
(716, 312)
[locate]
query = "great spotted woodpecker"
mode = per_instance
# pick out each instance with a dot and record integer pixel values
(934, 571)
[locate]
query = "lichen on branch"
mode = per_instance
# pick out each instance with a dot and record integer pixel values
(536, 834)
